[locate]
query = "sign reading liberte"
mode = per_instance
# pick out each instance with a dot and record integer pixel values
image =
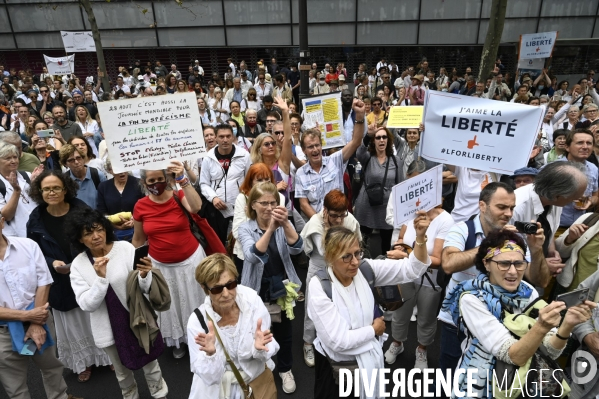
(537, 45)
(148, 132)
(422, 192)
(494, 136)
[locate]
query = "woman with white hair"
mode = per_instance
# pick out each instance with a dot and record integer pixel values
(220, 105)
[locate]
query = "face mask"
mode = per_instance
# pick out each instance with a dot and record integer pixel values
(235, 131)
(541, 87)
(157, 188)
(321, 83)
(251, 123)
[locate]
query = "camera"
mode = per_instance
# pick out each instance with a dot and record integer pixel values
(526, 228)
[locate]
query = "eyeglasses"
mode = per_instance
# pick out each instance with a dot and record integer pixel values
(381, 137)
(76, 159)
(337, 215)
(505, 265)
(348, 257)
(43, 91)
(268, 203)
(217, 289)
(376, 104)
(269, 144)
(279, 133)
(56, 190)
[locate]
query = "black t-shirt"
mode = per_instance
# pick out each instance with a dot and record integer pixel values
(224, 160)
(56, 227)
(274, 266)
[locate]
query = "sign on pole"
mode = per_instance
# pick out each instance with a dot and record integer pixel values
(405, 117)
(148, 132)
(78, 42)
(325, 111)
(60, 65)
(537, 45)
(422, 192)
(483, 134)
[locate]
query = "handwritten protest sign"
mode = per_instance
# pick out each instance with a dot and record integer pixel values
(61, 65)
(325, 110)
(537, 45)
(422, 192)
(148, 132)
(77, 42)
(405, 117)
(493, 136)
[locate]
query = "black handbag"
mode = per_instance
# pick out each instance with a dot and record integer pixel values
(376, 191)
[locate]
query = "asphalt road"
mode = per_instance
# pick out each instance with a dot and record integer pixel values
(176, 372)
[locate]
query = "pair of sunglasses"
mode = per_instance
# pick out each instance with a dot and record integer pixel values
(219, 288)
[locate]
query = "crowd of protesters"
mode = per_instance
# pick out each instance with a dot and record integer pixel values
(75, 281)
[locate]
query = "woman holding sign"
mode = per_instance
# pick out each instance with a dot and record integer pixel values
(381, 171)
(161, 220)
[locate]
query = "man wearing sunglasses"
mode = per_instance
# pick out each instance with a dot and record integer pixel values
(321, 174)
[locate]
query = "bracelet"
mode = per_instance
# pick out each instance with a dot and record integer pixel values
(421, 243)
(185, 185)
(182, 183)
(563, 338)
(180, 178)
(359, 122)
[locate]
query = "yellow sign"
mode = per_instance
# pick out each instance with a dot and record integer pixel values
(405, 117)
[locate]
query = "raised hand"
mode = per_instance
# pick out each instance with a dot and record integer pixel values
(207, 341)
(100, 266)
(14, 182)
(262, 338)
(282, 104)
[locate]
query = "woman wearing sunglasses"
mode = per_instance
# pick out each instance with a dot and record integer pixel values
(242, 322)
(268, 239)
(347, 327)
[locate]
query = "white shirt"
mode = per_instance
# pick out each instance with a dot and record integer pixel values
(22, 271)
(529, 207)
(124, 88)
(470, 183)
(18, 225)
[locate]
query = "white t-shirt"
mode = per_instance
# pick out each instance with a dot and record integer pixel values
(438, 229)
(470, 184)
(18, 225)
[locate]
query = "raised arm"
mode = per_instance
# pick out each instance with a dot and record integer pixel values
(286, 152)
(351, 147)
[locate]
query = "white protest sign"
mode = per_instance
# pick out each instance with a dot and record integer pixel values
(493, 136)
(422, 192)
(325, 110)
(78, 42)
(148, 132)
(537, 45)
(60, 65)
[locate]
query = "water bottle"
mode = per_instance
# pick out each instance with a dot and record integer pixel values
(358, 172)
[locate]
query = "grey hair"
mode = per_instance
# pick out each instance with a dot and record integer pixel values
(107, 164)
(560, 179)
(7, 149)
(9, 136)
(589, 105)
(142, 179)
(236, 79)
(417, 166)
(251, 111)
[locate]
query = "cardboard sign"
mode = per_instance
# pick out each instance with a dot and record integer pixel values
(78, 42)
(325, 111)
(405, 117)
(537, 45)
(148, 132)
(494, 136)
(422, 192)
(60, 65)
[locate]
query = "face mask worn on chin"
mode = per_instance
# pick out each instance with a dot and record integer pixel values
(157, 188)
(251, 123)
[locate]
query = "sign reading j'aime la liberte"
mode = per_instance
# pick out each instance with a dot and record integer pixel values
(149, 132)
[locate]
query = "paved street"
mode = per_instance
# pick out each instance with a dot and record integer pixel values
(103, 384)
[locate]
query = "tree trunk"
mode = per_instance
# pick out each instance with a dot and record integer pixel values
(489, 55)
(99, 51)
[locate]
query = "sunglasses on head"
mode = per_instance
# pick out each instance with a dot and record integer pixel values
(217, 289)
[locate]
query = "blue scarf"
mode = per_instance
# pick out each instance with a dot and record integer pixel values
(496, 298)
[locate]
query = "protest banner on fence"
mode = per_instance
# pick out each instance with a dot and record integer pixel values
(422, 192)
(78, 42)
(405, 117)
(325, 110)
(493, 136)
(148, 132)
(60, 65)
(537, 45)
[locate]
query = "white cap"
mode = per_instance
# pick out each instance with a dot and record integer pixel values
(197, 62)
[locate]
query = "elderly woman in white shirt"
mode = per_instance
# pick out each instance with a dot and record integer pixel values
(242, 322)
(347, 327)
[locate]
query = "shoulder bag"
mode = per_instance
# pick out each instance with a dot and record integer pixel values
(376, 191)
(262, 387)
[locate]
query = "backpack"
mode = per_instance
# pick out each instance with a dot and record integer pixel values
(540, 367)
(388, 297)
(92, 171)
(3, 186)
(443, 278)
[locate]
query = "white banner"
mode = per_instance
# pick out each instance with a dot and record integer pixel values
(78, 42)
(534, 64)
(60, 65)
(148, 132)
(325, 111)
(422, 192)
(494, 136)
(537, 45)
